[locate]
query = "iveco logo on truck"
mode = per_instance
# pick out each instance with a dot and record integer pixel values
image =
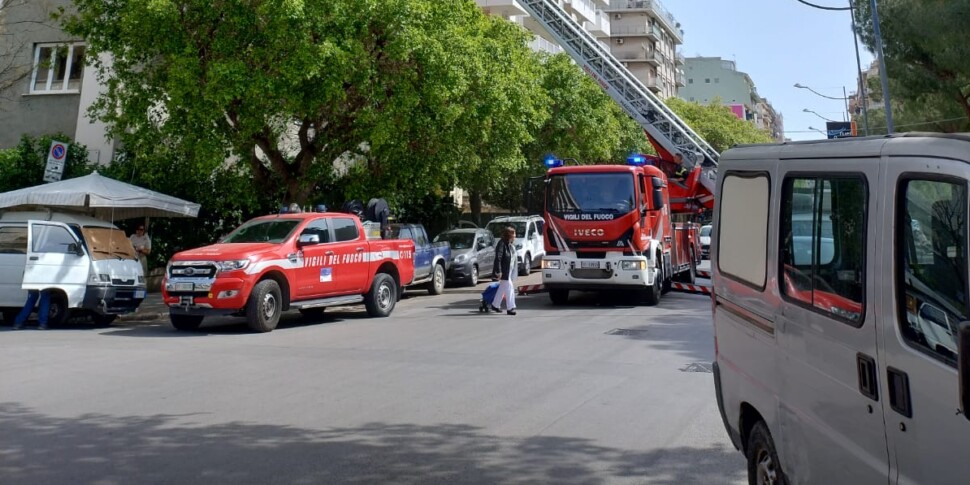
(588, 232)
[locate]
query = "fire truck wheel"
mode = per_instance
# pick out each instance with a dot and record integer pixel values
(437, 284)
(185, 323)
(559, 297)
(666, 282)
(526, 266)
(264, 306)
(690, 276)
(382, 296)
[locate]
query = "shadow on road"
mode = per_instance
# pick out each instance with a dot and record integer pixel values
(96, 448)
(236, 325)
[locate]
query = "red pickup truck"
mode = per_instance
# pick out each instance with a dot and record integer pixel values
(270, 264)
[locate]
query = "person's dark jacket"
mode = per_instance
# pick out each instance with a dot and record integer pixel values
(504, 260)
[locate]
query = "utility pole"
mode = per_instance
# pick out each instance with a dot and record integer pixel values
(863, 89)
(882, 67)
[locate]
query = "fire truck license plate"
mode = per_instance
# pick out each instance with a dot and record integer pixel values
(589, 264)
(183, 287)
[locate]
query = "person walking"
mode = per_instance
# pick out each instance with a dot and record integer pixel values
(42, 313)
(143, 247)
(505, 270)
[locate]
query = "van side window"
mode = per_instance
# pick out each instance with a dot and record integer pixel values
(823, 229)
(51, 239)
(931, 269)
(743, 228)
(345, 229)
(13, 240)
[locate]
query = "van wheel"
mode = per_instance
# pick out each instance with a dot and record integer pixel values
(58, 313)
(185, 323)
(526, 267)
(264, 306)
(559, 297)
(437, 284)
(763, 465)
(382, 296)
(102, 320)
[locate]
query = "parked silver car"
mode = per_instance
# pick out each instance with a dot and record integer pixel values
(472, 254)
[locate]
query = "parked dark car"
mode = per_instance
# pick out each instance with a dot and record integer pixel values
(431, 260)
(472, 254)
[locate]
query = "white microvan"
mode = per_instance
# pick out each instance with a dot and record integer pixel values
(840, 282)
(529, 239)
(88, 264)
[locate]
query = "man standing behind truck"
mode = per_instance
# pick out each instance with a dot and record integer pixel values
(143, 246)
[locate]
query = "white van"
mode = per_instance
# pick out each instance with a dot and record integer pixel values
(529, 239)
(89, 265)
(841, 305)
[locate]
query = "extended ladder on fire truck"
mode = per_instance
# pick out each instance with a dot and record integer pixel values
(657, 120)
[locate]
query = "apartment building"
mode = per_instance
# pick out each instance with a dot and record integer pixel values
(588, 13)
(45, 86)
(644, 36)
(710, 78)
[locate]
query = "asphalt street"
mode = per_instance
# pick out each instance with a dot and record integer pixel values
(597, 392)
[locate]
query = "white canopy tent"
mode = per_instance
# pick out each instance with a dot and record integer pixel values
(102, 197)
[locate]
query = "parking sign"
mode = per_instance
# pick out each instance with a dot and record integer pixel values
(56, 158)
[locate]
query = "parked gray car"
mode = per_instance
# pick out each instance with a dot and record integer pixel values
(472, 254)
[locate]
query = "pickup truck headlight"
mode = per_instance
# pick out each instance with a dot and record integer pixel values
(551, 264)
(633, 265)
(232, 265)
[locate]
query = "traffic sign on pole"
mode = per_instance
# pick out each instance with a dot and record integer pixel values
(56, 158)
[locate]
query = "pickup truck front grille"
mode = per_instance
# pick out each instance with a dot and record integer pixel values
(192, 270)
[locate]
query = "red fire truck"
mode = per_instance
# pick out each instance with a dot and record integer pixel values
(610, 227)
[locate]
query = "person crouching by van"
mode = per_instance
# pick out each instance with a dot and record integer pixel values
(505, 270)
(42, 313)
(143, 247)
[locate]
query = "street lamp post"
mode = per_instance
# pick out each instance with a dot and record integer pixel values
(806, 110)
(844, 98)
(818, 130)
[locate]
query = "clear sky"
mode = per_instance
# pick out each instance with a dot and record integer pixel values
(779, 43)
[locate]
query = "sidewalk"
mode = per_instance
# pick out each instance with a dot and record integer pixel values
(152, 308)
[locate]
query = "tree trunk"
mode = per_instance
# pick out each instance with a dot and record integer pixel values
(476, 206)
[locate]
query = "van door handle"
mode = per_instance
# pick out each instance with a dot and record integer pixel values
(866, 366)
(899, 398)
(33, 258)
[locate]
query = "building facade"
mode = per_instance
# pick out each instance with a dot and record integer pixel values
(588, 13)
(644, 36)
(45, 86)
(713, 78)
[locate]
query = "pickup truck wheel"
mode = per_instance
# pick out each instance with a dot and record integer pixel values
(526, 267)
(185, 323)
(382, 296)
(58, 313)
(264, 306)
(763, 465)
(559, 297)
(473, 278)
(437, 284)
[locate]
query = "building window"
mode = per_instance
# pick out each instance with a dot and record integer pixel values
(690, 80)
(57, 68)
(717, 80)
(707, 81)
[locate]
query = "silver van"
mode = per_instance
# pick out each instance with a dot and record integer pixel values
(841, 309)
(88, 264)
(529, 239)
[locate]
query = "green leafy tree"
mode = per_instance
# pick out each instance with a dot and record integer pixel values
(23, 166)
(288, 87)
(926, 45)
(716, 124)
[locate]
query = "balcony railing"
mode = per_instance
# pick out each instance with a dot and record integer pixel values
(543, 45)
(680, 59)
(658, 10)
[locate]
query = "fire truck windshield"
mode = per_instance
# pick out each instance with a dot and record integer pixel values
(573, 193)
(273, 231)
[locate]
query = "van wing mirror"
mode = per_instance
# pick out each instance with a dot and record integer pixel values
(75, 249)
(963, 360)
(308, 240)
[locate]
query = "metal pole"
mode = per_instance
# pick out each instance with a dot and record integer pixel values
(863, 89)
(848, 117)
(882, 68)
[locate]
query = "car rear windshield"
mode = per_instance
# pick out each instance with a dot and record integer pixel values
(496, 228)
(273, 231)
